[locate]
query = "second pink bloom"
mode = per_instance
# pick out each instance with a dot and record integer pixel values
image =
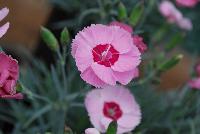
(105, 55)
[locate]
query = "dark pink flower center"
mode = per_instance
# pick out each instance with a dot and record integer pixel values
(105, 54)
(112, 110)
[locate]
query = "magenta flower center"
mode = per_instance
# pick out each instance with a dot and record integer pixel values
(112, 110)
(105, 55)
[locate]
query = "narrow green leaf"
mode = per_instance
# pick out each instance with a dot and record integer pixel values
(49, 38)
(112, 128)
(170, 63)
(64, 37)
(37, 114)
(176, 40)
(136, 14)
(122, 12)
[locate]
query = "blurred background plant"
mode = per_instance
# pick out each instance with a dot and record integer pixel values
(55, 92)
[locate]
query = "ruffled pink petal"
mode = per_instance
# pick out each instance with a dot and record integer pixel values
(94, 107)
(125, 77)
(91, 78)
(104, 73)
(102, 34)
(126, 63)
(122, 40)
(4, 29)
(122, 25)
(3, 13)
(9, 87)
(3, 76)
(105, 123)
(83, 57)
(129, 121)
(91, 131)
(15, 96)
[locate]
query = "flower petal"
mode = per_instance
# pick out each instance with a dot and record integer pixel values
(83, 57)
(125, 77)
(104, 73)
(90, 77)
(3, 13)
(129, 120)
(126, 63)
(122, 40)
(4, 29)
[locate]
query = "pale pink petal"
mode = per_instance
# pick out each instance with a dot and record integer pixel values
(102, 34)
(90, 77)
(104, 73)
(91, 131)
(4, 29)
(94, 107)
(125, 77)
(185, 24)
(126, 63)
(122, 25)
(3, 13)
(105, 123)
(83, 57)
(130, 121)
(122, 40)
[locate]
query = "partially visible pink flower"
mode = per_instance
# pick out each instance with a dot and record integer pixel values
(4, 28)
(173, 15)
(91, 131)
(168, 10)
(187, 3)
(113, 103)
(185, 24)
(105, 55)
(195, 83)
(122, 25)
(137, 40)
(9, 72)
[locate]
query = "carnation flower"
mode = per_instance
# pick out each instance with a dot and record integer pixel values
(4, 28)
(113, 104)
(195, 83)
(138, 41)
(173, 15)
(187, 3)
(91, 131)
(105, 55)
(9, 72)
